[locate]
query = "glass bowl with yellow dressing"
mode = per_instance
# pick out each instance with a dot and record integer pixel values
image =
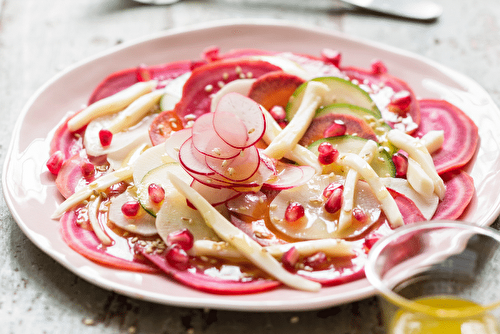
(438, 277)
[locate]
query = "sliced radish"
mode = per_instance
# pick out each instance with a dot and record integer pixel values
(230, 128)
(192, 160)
(214, 196)
(459, 193)
(174, 142)
(241, 168)
(460, 133)
(207, 141)
(247, 110)
(289, 176)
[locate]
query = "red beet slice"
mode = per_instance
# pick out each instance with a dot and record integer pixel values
(87, 244)
(274, 89)
(207, 80)
(459, 193)
(196, 279)
(369, 78)
(460, 133)
(120, 80)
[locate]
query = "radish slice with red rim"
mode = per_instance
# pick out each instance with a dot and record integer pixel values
(212, 195)
(240, 168)
(192, 160)
(460, 133)
(174, 142)
(247, 110)
(207, 141)
(230, 128)
(290, 176)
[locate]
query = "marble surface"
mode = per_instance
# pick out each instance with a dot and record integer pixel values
(39, 38)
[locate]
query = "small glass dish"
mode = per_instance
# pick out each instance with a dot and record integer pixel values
(438, 277)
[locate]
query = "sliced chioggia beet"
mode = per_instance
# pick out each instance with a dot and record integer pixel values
(381, 162)
(120, 80)
(70, 177)
(86, 243)
(85, 192)
(340, 91)
(111, 104)
(217, 283)
(142, 223)
(314, 94)
(460, 134)
(208, 79)
(317, 223)
(159, 177)
(418, 152)
(459, 193)
(274, 89)
(248, 247)
(66, 141)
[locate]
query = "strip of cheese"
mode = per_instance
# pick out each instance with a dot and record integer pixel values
(239, 240)
(99, 232)
(293, 132)
(136, 111)
(100, 184)
(297, 153)
(331, 247)
(345, 218)
(364, 169)
(111, 104)
(418, 152)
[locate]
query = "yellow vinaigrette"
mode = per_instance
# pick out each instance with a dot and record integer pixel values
(415, 323)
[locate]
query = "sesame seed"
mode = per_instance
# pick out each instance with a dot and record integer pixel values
(220, 84)
(209, 88)
(217, 150)
(238, 69)
(225, 76)
(249, 75)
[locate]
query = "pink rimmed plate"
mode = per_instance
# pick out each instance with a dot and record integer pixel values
(32, 196)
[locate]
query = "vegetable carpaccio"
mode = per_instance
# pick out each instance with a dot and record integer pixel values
(246, 171)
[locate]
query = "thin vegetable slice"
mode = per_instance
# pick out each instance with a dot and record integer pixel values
(459, 193)
(460, 134)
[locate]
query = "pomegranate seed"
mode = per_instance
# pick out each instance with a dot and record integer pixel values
(371, 240)
(143, 73)
(401, 163)
(211, 53)
(87, 169)
(400, 102)
(183, 238)
(290, 258)
(327, 153)
(330, 188)
(55, 162)
(278, 113)
(105, 137)
(334, 202)
(294, 212)
(331, 56)
(177, 257)
(378, 67)
(360, 215)
(317, 261)
(338, 128)
(130, 208)
(156, 193)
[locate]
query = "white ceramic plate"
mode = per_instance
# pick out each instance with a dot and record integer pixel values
(32, 196)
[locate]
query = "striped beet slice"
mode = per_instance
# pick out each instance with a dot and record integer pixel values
(459, 193)
(460, 133)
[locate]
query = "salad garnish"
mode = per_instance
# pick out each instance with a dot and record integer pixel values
(241, 172)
